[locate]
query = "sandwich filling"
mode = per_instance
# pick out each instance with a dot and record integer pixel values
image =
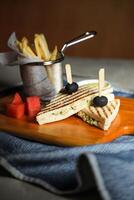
(87, 118)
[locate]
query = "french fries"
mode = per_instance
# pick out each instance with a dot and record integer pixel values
(43, 46)
(24, 42)
(37, 47)
(25, 48)
(40, 48)
(54, 54)
(19, 44)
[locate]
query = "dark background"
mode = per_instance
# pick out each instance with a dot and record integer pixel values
(61, 20)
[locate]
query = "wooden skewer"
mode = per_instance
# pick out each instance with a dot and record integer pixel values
(101, 80)
(68, 73)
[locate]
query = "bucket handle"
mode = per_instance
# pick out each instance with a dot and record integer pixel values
(78, 39)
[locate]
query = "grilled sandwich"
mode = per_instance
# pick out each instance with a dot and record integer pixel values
(101, 117)
(65, 105)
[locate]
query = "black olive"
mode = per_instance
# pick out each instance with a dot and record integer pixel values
(63, 91)
(100, 101)
(70, 88)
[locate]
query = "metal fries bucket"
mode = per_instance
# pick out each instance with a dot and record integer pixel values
(35, 81)
(54, 73)
(46, 82)
(54, 68)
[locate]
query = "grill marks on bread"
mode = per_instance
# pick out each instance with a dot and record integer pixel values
(105, 111)
(65, 99)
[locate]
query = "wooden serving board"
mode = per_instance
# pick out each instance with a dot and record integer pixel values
(72, 131)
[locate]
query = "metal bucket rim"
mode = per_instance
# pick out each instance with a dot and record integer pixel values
(46, 63)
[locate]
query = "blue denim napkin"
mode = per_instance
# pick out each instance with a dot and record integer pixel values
(64, 170)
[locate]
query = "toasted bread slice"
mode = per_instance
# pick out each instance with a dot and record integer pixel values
(101, 117)
(64, 105)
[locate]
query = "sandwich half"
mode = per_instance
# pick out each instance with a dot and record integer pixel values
(65, 105)
(101, 117)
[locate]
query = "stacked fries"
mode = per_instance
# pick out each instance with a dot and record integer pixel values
(40, 48)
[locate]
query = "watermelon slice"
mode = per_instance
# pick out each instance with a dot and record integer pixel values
(33, 106)
(16, 110)
(17, 99)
